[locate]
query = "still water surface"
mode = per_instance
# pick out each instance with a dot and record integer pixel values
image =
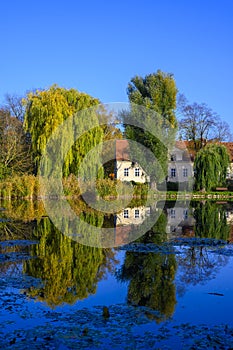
(172, 288)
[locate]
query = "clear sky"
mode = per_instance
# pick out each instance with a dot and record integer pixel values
(97, 46)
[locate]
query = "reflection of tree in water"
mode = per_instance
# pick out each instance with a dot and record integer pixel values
(69, 271)
(10, 230)
(197, 264)
(22, 210)
(13, 230)
(211, 221)
(151, 275)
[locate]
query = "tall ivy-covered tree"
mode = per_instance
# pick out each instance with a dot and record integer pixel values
(152, 120)
(48, 109)
(210, 167)
(151, 275)
(157, 91)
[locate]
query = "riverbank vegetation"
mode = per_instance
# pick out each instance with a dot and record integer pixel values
(28, 122)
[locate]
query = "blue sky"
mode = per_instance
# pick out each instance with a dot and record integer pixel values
(98, 46)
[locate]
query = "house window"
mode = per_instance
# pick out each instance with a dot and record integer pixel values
(136, 213)
(126, 171)
(126, 214)
(173, 172)
(185, 214)
(185, 172)
(173, 214)
(137, 172)
(173, 157)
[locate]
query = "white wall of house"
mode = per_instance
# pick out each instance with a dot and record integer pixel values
(180, 171)
(230, 172)
(176, 154)
(125, 171)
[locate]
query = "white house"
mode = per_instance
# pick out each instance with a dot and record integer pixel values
(125, 169)
(180, 166)
(180, 163)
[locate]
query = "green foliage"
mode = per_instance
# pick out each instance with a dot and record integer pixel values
(157, 91)
(151, 121)
(210, 167)
(46, 110)
(69, 271)
(107, 187)
(19, 186)
(211, 221)
(151, 284)
(151, 275)
(111, 188)
(71, 186)
(23, 210)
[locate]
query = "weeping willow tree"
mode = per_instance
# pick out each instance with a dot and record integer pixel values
(47, 110)
(210, 167)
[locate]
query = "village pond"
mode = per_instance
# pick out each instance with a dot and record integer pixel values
(170, 289)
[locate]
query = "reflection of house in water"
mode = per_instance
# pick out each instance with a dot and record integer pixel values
(180, 220)
(125, 222)
(229, 216)
(134, 216)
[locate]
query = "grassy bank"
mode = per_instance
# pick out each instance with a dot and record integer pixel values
(214, 195)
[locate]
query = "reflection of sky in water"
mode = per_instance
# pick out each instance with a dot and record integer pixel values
(109, 291)
(194, 280)
(195, 305)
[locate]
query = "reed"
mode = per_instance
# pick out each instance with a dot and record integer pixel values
(28, 187)
(24, 186)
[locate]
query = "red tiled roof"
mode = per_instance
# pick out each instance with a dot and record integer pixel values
(122, 234)
(182, 144)
(122, 150)
(229, 146)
